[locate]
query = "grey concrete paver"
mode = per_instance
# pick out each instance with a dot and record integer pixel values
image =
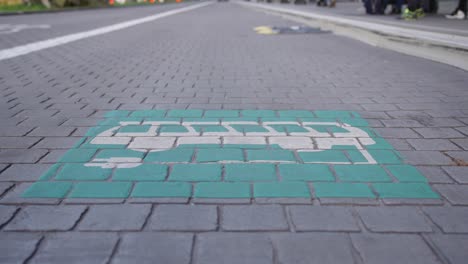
(17, 247)
(6, 213)
(453, 247)
(455, 194)
(23, 172)
(232, 248)
(459, 174)
(246, 217)
(117, 218)
(184, 218)
(449, 219)
(148, 247)
(313, 248)
(307, 218)
(390, 248)
(398, 219)
(75, 248)
(46, 218)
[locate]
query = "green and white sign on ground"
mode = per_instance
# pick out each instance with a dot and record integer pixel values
(231, 154)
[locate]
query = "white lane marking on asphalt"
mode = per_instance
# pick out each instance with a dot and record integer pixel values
(49, 43)
(9, 29)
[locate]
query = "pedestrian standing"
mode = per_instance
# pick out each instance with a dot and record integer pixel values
(459, 12)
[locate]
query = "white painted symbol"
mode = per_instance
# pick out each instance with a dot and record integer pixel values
(9, 29)
(154, 140)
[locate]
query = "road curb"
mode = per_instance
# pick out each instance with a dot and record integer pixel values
(450, 41)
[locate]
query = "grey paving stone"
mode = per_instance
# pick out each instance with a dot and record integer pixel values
(53, 156)
(51, 131)
(253, 217)
(115, 217)
(435, 174)
(460, 157)
(221, 201)
(397, 219)
(17, 247)
(455, 194)
(184, 218)
(449, 219)
(71, 247)
(432, 144)
(148, 247)
(461, 142)
(391, 248)
(324, 248)
(23, 172)
(399, 144)
(4, 186)
(14, 131)
(453, 247)
(46, 218)
(6, 213)
(426, 158)
(21, 155)
(57, 143)
(401, 123)
(18, 142)
(396, 133)
(232, 248)
(324, 218)
(458, 173)
(14, 196)
(439, 132)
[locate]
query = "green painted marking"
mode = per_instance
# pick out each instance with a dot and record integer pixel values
(406, 173)
(101, 190)
(78, 155)
(48, 190)
(185, 113)
(342, 190)
(222, 190)
(305, 172)
(103, 165)
(209, 128)
(144, 172)
(249, 128)
(361, 173)
(250, 172)
(50, 173)
(79, 172)
(405, 190)
(148, 113)
(119, 153)
(281, 189)
(134, 129)
(117, 113)
(161, 190)
(195, 172)
(258, 113)
(223, 154)
(221, 113)
(172, 129)
(324, 156)
(173, 155)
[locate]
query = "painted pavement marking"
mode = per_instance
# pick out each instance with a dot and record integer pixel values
(228, 153)
(9, 29)
(49, 43)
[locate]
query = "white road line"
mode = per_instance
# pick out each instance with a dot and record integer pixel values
(53, 42)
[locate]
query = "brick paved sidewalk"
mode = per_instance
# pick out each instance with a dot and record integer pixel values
(211, 64)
